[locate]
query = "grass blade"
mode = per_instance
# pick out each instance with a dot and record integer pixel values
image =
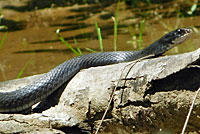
(99, 36)
(3, 40)
(116, 25)
(22, 70)
(90, 50)
(141, 34)
(77, 47)
(66, 43)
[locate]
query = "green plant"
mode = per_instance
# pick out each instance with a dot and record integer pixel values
(141, 34)
(116, 25)
(22, 70)
(77, 47)
(78, 52)
(99, 36)
(3, 39)
(90, 50)
(149, 2)
(67, 44)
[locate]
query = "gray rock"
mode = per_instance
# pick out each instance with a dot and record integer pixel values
(155, 95)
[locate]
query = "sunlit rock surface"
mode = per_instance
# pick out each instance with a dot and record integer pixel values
(155, 95)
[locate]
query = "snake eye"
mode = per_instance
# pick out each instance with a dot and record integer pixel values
(180, 31)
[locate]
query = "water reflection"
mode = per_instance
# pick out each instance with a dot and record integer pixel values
(47, 51)
(12, 25)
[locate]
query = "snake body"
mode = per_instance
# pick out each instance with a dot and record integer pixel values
(24, 98)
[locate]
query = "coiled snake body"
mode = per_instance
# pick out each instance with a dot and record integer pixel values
(29, 95)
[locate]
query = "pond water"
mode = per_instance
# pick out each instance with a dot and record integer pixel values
(33, 46)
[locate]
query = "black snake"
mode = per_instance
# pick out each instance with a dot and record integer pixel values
(24, 98)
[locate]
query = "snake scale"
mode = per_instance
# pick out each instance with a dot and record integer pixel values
(23, 98)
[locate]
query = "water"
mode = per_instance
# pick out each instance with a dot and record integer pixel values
(32, 43)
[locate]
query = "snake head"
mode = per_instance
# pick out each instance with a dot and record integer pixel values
(168, 41)
(176, 37)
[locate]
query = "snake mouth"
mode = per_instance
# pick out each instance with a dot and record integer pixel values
(186, 33)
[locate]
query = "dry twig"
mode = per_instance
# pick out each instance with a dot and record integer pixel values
(112, 95)
(190, 111)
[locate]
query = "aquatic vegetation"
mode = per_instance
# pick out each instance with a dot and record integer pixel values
(3, 40)
(116, 26)
(77, 52)
(141, 33)
(99, 36)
